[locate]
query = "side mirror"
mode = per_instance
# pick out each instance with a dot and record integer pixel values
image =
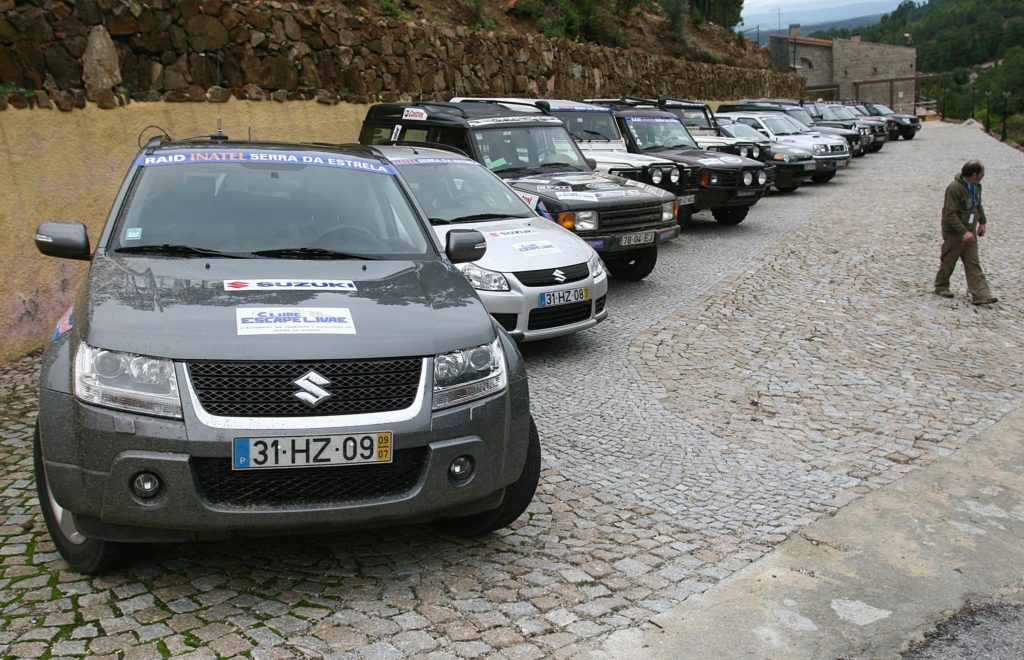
(465, 245)
(591, 162)
(67, 240)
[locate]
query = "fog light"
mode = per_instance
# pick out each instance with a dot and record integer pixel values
(461, 468)
(145, 485)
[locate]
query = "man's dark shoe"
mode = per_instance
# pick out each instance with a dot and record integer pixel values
(944, 294)
(985, 301)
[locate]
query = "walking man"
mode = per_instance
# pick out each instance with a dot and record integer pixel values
(963, 222)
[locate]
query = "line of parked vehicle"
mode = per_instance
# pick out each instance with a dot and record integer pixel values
(252, 308)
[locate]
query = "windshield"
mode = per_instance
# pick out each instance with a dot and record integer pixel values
(801, 116)
(590, 125)
(828, 114)
(742, 131)
(512, 150)
(457, 190)
(243, 202)
(845, 112)
(692, 117)
(782, 125)
(653, 133)
(884, 109)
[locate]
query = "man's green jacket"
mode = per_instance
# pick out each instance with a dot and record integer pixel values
(956, 210)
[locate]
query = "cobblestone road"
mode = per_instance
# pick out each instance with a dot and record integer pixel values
(764, 375)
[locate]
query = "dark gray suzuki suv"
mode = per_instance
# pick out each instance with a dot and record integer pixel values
(271, 339)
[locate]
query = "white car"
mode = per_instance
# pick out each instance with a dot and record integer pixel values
(537, 279)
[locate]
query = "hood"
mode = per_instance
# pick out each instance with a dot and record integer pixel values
(806, 140)
(715, 140)
(518, 244)
(794, 152)
(834, 131)
(708, 159)
(186, 309)
(586, 190)
(619, 157)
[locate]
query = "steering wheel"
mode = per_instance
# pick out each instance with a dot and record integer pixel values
(353, 238)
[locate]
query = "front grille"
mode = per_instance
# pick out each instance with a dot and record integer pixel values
(599, 305)
(642, 215)
(337, 484)
(837, 148)
(507, 321)
(267, 389)
(546, 277)
(726, 178)
(552, 317)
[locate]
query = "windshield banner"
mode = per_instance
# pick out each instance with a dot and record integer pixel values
(653, 120)
(433, 161)
(265, 157)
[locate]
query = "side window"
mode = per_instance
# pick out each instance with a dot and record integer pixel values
(414, 135)
(375, 134)
(453, 137)
(749, 122)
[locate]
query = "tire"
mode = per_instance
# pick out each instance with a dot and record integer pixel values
(787, 189)
(824, 177)
(730, 215)
(909, 135)
(85, 555)
(518, 496)
(634, 265)
(685, 218)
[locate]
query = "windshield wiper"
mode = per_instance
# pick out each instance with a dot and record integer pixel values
(485, 216)
(178, 251)
(310, 253)
(514, 168)
(681, 144)
(556, 165)
(597, 133)
(439, 221)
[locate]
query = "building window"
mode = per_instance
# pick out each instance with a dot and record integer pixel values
(806, 63)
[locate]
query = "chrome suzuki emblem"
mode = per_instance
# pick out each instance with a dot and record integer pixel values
(558, 275)
(312, 394)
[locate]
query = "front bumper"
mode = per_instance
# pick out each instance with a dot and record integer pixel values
(788, 174)
(520, 313)
(831, 163)
(605, 241)
(715, 197)
(91, 455)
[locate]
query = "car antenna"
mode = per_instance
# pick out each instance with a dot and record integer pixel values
(219, 134)
(250, 132)
(163, 134)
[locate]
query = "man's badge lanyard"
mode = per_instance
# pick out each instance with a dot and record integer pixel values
(973, 205)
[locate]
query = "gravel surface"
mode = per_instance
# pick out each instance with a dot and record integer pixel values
(988, 633)
(764, 375)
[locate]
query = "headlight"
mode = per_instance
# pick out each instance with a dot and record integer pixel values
(596, 266)
(127, 381)
(580, 220)
(744, 152)
(782, 157)
(820, 149)
(748, 178)
(674, 175)
(469, 374)
(656, 175)
(762, 177)
(668, 210)
(483, 279)
(586, 220)
(755, 151)
(863, 131)
(708, 179)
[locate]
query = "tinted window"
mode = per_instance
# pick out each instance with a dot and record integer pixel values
(590, 125)
(537, 147)
(243, 207)
(780, 125)
(693, 117)
(800, 115)
(457, 191)
(742, 131)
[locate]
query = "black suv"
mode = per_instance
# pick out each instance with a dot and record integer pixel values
(623, 220)
(793, 109)
(729, 185)
(874, 132)
(900, 125)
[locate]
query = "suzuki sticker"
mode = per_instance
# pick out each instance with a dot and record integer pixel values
(288, 285)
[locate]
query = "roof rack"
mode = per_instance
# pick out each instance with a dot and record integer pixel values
(422, 144)
(541, 105)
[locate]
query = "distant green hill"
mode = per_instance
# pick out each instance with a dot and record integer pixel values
(854, 25)
(948, 33)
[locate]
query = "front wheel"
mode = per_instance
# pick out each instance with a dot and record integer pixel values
(824, 177)
(787, 189)
(909, 135)
(634, 265)
(85, 555)
(518, 496)
(730, 215)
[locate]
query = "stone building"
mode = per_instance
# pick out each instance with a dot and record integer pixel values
(849, 68)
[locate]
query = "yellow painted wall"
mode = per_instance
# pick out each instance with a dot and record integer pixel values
(68, 166)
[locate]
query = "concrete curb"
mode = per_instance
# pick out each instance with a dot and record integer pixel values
(872, 579)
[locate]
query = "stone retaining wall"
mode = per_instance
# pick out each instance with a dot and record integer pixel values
(112, 52)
